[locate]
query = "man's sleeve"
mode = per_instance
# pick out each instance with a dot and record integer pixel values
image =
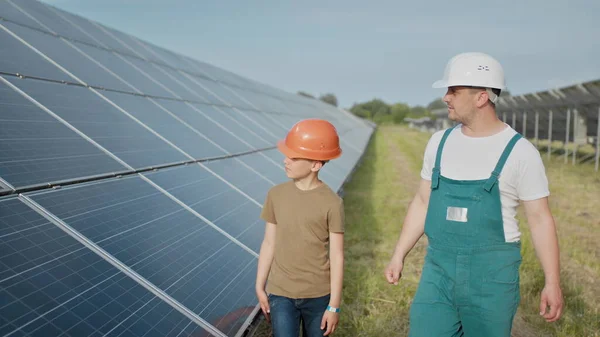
(336, 217)
(268, 212)
(532, 182)
(429, 158)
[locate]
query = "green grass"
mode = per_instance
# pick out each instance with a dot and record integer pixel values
(376, 201)
(574, 203)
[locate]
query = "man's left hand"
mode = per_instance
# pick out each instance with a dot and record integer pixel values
(329, 321)
(551, 296)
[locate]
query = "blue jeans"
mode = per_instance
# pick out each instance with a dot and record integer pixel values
(287, 314)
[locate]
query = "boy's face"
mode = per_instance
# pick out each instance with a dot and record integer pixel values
(298, 168)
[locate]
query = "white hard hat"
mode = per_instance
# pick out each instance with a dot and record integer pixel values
(475, 70)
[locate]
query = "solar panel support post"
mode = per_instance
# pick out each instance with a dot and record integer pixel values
(567, 129)
(525, 124)
(550, 134)
(514, 120)
(597, 140)
(537, 127)
(575, 134)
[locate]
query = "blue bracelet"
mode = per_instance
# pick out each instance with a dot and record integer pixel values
(332, 309)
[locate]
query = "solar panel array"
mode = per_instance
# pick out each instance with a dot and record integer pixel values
(131, 181)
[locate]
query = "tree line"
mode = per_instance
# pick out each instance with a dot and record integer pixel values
(381, 112)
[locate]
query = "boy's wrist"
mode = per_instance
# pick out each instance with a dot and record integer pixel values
(335, 309)
(334, 304)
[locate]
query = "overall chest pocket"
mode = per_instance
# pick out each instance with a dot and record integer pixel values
(461, 214)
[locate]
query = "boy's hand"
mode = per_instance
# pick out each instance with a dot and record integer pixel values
(263, 299)
(329, 321)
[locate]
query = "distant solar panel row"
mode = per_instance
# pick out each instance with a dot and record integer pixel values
(131, 181)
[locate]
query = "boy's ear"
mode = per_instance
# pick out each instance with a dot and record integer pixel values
(317, 165)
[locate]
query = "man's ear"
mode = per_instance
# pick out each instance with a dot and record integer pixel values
(482, 98)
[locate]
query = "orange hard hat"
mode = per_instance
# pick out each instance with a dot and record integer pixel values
(315, 139)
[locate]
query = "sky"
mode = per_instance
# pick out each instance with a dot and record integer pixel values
(360, 50)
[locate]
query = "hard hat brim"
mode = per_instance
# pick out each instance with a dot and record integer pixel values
(295, 155)
(287, 151)
(440, 84)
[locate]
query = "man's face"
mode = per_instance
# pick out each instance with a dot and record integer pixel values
(298, 168)
(462, 103)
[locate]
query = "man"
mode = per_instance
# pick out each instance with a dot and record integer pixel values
(303, 216)
(474, 175)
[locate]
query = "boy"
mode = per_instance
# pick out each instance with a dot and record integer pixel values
(302, 216)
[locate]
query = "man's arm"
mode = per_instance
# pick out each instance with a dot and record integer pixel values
(412, 230)
(545, 241)
(265, 258)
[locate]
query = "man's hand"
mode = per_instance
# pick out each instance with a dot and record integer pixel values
(551, 297)
(263, 299)
(412, 230)
(393, 271)
(329, 321)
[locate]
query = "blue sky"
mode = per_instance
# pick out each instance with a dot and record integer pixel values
(361, 50)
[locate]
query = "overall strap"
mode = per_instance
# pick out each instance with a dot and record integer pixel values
(496, 173)
(435, 174)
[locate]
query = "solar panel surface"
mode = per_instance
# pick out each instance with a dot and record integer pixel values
(132, 179)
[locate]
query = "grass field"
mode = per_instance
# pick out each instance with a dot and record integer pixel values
(376, 200)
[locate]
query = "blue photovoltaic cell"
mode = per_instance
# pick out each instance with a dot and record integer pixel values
(36, 148)
(10, 12)
(154, 71)
(15, 57)
(261, 162)
(51, 285)
(200, 94)
(253, 126)
(162, 241)
(102, 122)
(96, 35)
(225, 94)
(242, 177)
(190, 140)
(68, 58)
(275, 155)
(206, 123)
(266, 103)
(215, 200)
(219, 74)
(226, 117)
(269, 121)
(49, 19)
(135, 77)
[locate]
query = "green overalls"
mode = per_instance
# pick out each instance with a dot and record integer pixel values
(470, 281)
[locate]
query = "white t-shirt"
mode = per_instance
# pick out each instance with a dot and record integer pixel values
(471, 158)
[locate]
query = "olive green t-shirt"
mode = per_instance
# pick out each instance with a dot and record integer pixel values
(303, 220)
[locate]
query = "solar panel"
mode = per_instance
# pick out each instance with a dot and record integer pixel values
(36, 148)
(132, 180)
(51, 285)
(160, 240)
